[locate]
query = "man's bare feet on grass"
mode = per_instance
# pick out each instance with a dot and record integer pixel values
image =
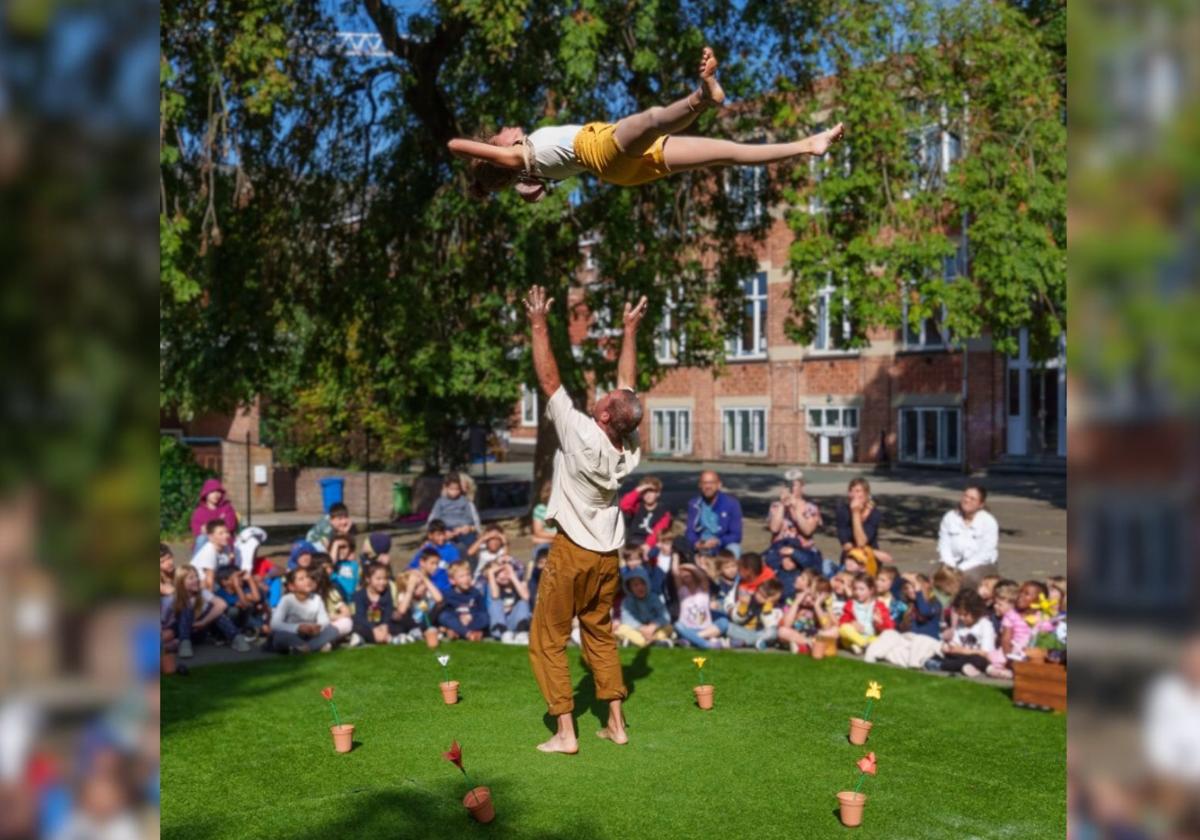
(615, 731)
(819, 144)
(709, 86)
(560, 743)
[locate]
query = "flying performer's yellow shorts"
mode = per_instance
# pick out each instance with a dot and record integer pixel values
(597, 149)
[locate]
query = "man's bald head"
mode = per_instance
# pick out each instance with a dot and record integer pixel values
(710, 483)
(620, 411)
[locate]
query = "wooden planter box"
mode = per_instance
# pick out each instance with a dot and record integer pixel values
(1040, 685)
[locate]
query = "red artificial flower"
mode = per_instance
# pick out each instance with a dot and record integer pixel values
(327, 692)
(454, 756)
(867, 764)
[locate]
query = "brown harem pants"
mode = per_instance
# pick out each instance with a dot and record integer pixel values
(575, 582)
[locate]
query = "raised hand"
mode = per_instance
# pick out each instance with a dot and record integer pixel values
(634, 314)
(537, 305)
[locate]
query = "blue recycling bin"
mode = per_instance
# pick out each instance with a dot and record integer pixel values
(331, 491)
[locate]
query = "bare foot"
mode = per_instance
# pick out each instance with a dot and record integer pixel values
(560, 744)
(617, 736)
(819, 143)
(711, 88)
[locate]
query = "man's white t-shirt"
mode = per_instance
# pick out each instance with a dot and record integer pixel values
(588, 469)
(209, 559)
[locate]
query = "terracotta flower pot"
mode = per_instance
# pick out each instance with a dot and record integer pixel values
(431, 637)
(167, 663)
(343, 737)
(479, 802)
(450, 692)
(818, 649)
(859, 729)
(703, 696)
(851, 810)
(1034, 654)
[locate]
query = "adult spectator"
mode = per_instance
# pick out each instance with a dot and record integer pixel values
(213, 504)
(793, 520)
(858, 519)
(457, 511)
(1171, 737)
(645, 515)
(714, 519)
(968, 537)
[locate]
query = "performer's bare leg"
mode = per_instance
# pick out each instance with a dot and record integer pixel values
(564, 740)
(615, 731)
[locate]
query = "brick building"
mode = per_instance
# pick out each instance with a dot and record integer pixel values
(777, 401)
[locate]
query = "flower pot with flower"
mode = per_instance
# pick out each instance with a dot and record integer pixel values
(860, 728)
(478, 800)
(852, 802)
(702, 690)
(343, 733)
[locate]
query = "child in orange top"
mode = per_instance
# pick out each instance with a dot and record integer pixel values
(635, 150)
(864, 616)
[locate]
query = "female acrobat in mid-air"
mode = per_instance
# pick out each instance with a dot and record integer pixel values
(636, 149)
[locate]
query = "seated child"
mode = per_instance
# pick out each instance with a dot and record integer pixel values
(465, 614)
(723, 583)
(418, 600)
(800, 623)
(376, 619)
(751, 574)
(634, 557)
(341, 615)
(695, 624)
(193, 610)
(438, 538)
(924, 614)
(973, 639)
(508, 602)
(429, 564)
(754, 620)
(885, 589)
(245, 600)
(787, 570)
(946, 584)
(644, 617)
(491, 546)
(300, 624)
(1015, 632)
(864, 617)
(215, 553)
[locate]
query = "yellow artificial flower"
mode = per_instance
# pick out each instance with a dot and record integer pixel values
(1047, 606)
(699, 660)
(874, 690)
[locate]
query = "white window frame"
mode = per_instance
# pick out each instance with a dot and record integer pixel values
(936, 149)
(668, 346)
(823, 340)
(683, 426)
(760, 303)
(529, 406)
(603, 325)
(734, 414)
(922, 414)
(953, 267)
(845, 426)
(753, 210)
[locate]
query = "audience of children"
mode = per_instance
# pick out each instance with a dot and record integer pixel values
(477, 590)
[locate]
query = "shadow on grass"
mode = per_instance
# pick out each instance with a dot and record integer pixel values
(585, 691)
(407, 810)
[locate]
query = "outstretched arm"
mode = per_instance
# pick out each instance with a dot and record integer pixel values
(627, 364)
(544, 365)
(509, 157)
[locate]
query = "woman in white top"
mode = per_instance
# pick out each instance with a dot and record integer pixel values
(629, 152)
(969, 536)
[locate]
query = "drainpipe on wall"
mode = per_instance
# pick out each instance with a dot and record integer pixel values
(962, 415)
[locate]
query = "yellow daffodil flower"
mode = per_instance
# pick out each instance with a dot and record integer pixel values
(874, 690)
(699, 660)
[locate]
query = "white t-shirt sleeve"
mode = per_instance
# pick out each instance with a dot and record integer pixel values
(985, 634)
(205, 560)
(945, 545)
(566, 419)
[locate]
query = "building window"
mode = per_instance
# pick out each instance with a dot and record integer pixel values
(833, 434)
(745, 431)
(751, 340)
(671, 431)
(930, 436)
(746, 189)
(529, 406)
(933, 149)
(1137, 550)
(667, 344)
(930, 332)
(833, 319)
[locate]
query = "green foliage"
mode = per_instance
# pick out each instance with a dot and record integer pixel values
(179, 482)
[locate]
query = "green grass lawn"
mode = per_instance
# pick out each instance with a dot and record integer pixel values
(246, 751)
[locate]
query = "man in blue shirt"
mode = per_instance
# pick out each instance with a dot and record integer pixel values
(714, 519)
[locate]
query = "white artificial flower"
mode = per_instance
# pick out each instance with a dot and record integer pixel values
(444, 660)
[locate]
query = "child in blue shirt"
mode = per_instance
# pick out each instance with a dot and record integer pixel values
(464, 612)
(924, 609)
